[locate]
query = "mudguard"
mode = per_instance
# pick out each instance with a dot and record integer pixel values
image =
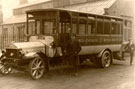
(30, 55)
(101, 52)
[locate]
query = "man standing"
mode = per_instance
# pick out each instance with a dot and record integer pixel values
(129, 48)
(72, 50)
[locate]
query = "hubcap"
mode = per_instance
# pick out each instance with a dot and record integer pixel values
(106, 59)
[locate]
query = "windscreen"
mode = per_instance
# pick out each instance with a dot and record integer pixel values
(41, 23)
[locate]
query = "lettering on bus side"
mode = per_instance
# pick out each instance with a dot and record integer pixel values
(99, 40)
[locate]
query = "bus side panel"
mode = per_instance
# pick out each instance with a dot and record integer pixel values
(95, 44)
(98, 48)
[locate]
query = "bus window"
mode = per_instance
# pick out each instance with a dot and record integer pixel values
(65, 21)
(74, 26)
(119, 29)
(82, 27)
(68, 27)
(64, 27)
(60, 27)
(31, 27)
(114, 28)
(107, 28)
(91, 27)
(100, 27)
(37, 27)
(48, 26)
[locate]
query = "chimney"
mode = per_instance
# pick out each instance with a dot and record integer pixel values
(23, 2)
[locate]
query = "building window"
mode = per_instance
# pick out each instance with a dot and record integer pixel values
(21, 33)
(5, 36)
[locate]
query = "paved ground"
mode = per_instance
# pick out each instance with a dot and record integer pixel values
(119, 76)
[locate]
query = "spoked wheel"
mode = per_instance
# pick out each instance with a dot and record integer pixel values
(37, 68)
(106, 59)
(5, 69)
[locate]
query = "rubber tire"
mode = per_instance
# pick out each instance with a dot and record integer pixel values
(106, 59)
(5, 69)
(31, 64)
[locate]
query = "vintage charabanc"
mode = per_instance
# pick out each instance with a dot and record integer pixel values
(46, 31)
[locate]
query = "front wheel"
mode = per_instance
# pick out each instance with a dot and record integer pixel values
(5, 69)
(106, 59)
(37, 68)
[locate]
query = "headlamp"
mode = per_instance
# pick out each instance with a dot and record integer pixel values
(3, 52)
(52, 45)
(21, 53)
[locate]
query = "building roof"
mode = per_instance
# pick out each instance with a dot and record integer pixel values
(89, 7)
(95, 7)
(32, 3)
(122, 8)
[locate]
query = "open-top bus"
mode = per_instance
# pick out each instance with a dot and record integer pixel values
(100, 36)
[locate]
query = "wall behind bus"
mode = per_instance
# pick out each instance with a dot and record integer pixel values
(12, 33)
(134, 23)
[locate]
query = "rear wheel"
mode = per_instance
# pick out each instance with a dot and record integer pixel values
(37, 68)
(105, 60)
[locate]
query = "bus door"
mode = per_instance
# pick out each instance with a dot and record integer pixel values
(64, 29)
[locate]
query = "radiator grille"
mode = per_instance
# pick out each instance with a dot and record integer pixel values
(12, 53)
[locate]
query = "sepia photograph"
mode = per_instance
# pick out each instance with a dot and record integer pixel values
(67, 44)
